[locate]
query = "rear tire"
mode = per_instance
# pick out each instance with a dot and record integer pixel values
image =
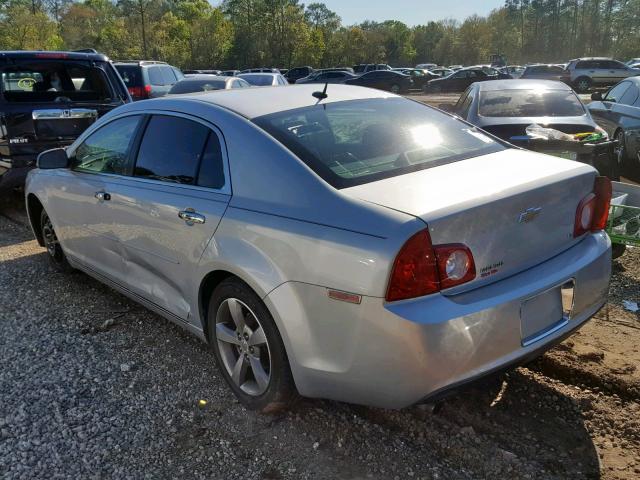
(56, 255)
(249, 350)
(582, 84)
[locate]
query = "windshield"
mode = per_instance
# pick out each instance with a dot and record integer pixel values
(189, 86)
(359, 141)
(530, 103)
(48, 81)
(259, 80)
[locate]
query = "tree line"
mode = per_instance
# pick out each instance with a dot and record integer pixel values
(287, 33)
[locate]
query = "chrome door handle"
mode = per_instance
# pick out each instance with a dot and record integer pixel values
(102, 196)
(190, 216)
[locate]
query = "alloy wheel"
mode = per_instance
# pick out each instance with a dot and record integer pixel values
(583, 85)
(243, 347)
(50, 238)
(395, 89)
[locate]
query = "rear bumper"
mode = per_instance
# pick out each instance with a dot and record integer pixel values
(394, 355)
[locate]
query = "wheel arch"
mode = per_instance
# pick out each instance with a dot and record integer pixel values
(34, 210)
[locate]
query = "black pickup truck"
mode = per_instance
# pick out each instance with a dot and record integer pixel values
(47, 99)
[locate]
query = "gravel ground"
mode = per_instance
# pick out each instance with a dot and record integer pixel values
(94, 386)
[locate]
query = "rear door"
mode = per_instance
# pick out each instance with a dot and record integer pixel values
(170, 207)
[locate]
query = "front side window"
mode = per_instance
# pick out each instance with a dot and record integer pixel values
(630, 96)
(170, 150)
(106, 150)
(616, 93)
(168, 76)
(359, 141)
(530, 103)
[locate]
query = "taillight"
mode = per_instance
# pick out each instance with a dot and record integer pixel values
(421, 269)
(593, 211)
(415, 272)
(140, 92)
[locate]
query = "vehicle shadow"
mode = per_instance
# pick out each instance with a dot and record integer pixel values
(510, 423)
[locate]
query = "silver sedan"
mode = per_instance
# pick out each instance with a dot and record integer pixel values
(347, 244)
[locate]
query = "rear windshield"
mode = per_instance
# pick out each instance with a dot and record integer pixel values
(48, 81)
(530, 103)
(131, 74)
(359, 141)
(189, 86)
(259, 80)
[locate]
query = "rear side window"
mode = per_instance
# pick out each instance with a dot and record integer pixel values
(211, 173)
(359, 141)
(48, 80)
(106, 150)
(171, 149)
(155, 76)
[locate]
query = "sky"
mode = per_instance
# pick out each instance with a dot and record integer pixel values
(411, 12)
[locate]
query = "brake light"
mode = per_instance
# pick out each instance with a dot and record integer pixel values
(421, 269)
(147, 91)
(593, 210)
(51, 55)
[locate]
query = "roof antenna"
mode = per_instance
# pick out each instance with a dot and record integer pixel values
(323, 94)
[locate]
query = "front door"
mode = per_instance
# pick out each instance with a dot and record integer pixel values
(83, 215)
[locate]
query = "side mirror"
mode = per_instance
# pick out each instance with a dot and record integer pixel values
(54, 158)
(596, 96)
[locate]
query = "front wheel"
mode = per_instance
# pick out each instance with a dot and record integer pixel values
(248, 348)
(395, 89)
(56, 255)
(617, 250)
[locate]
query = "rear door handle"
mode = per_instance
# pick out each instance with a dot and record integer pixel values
(103, 196)
(190, 216)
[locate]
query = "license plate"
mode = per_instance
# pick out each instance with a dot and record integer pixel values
(565, 155)
(546, 313)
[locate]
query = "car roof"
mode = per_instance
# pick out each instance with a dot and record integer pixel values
(493, 85)
(53, 55)
(258, 101)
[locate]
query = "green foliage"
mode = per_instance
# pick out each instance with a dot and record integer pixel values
(286, 33)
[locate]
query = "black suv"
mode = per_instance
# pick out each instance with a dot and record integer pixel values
(47, 100)
(148, 78)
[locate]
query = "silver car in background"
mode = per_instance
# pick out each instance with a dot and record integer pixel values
(349, 244)
(264, 79)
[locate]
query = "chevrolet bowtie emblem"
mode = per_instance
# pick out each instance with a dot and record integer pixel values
(529, 214)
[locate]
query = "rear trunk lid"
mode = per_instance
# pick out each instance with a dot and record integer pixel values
(514, 209)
